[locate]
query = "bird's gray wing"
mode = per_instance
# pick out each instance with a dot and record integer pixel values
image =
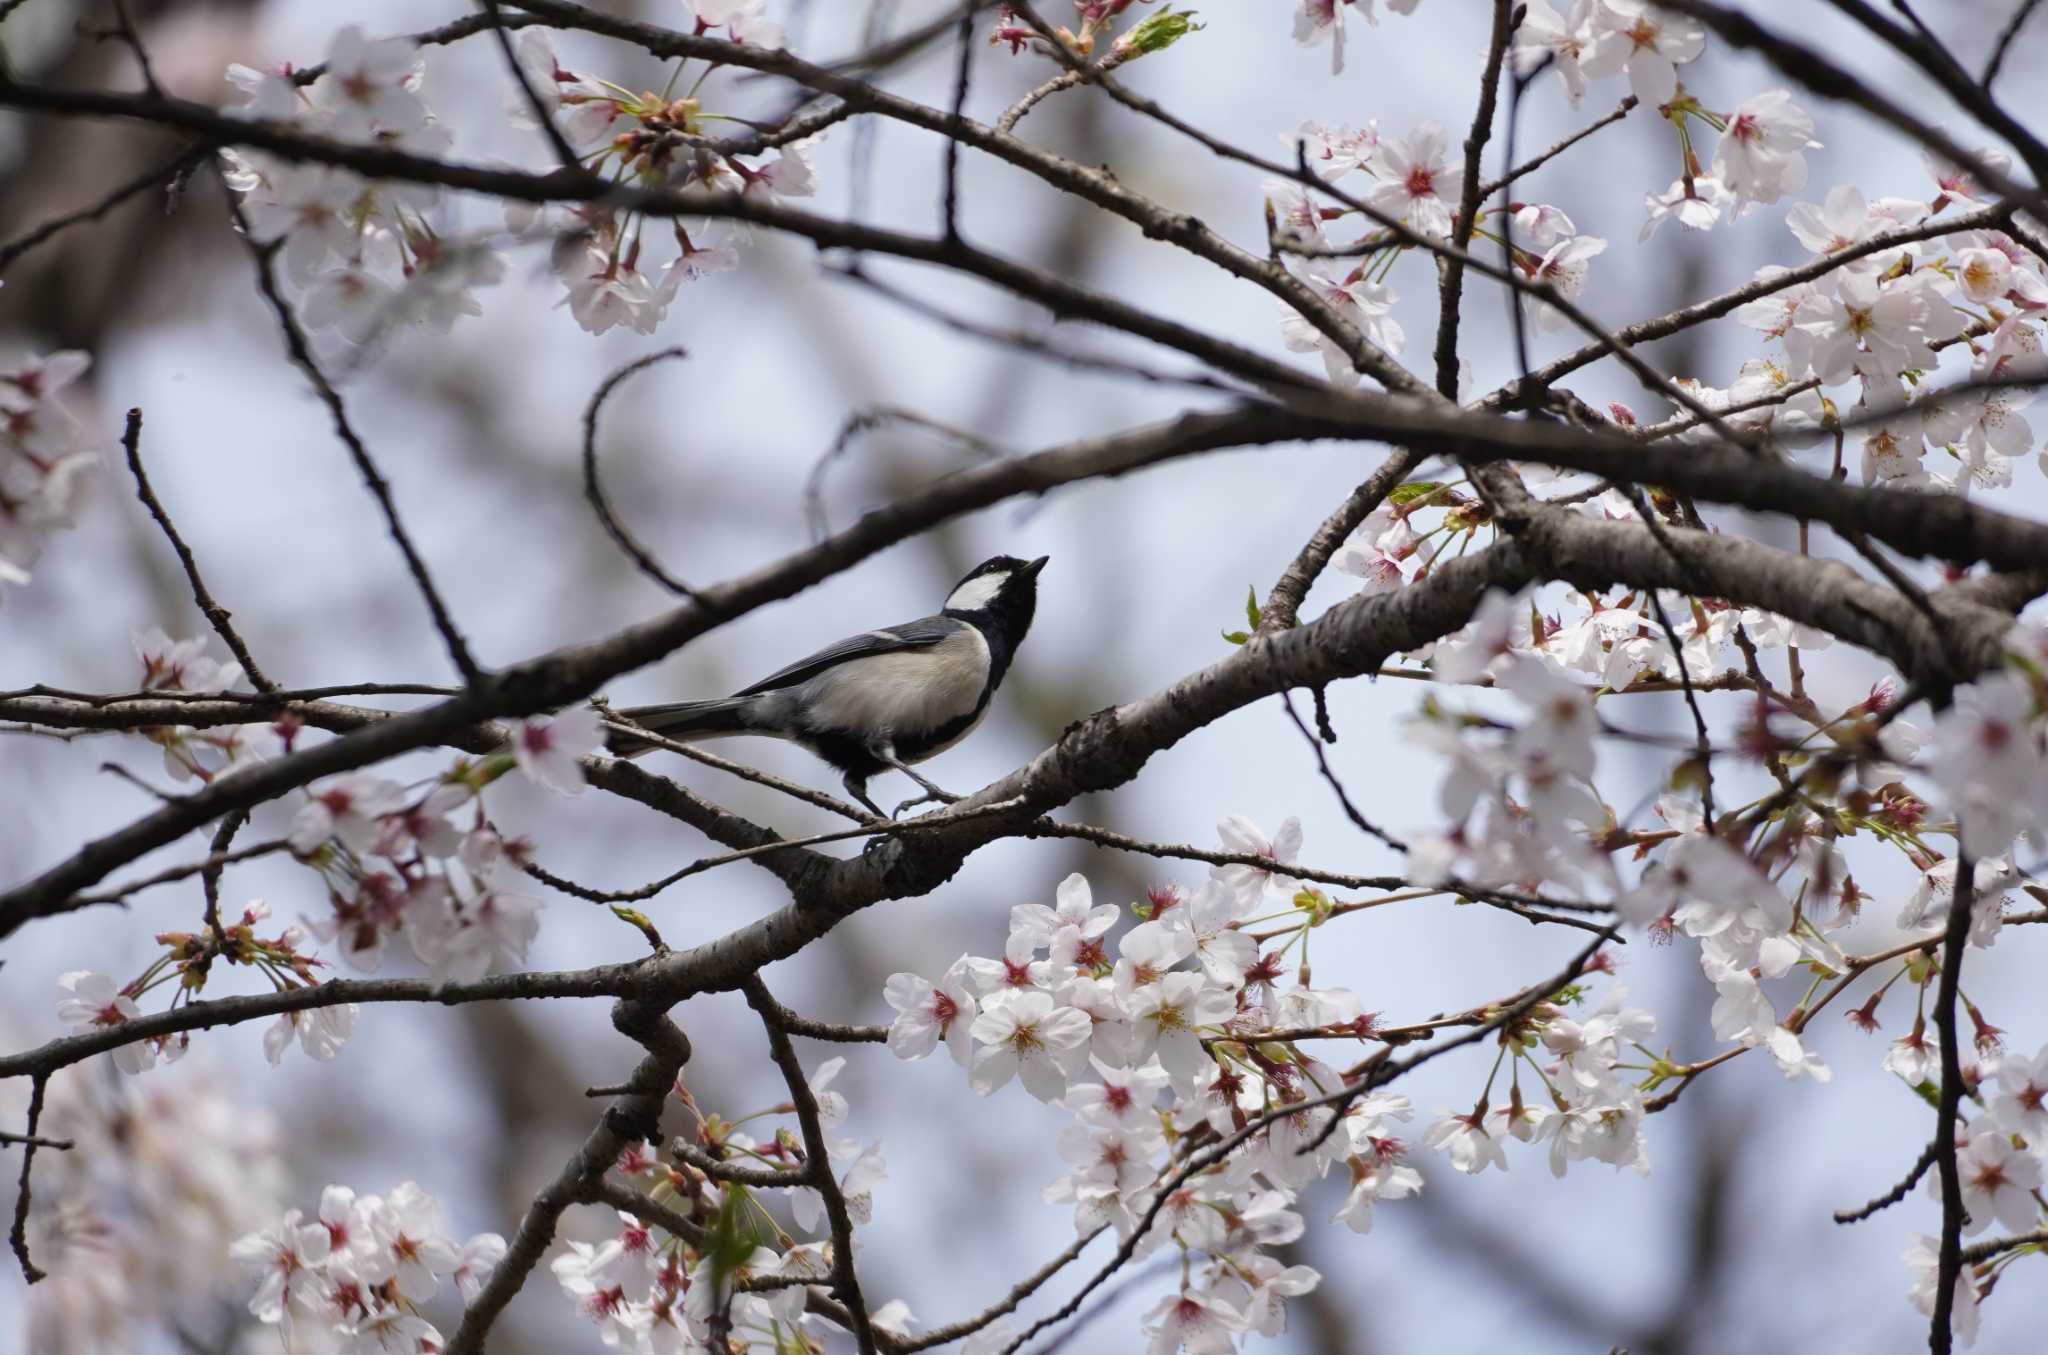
(919, 634)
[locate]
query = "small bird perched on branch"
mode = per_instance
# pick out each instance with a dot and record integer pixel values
(882, 700)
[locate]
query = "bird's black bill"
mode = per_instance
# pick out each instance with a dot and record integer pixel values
(1030, 571)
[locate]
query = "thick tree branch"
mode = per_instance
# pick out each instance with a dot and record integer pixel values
(627, 1120)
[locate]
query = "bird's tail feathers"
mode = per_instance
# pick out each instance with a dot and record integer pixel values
(683, 720)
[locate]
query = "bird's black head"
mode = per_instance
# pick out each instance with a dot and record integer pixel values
(999, 596)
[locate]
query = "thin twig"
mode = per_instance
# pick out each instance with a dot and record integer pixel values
(865, 421)
(963, 73)
(218, 858)
(8, 1138)
(216, 615)
(1351, 811)
(1029, 341)
(1527, 167)
(1954, 942)
(593, 488)
(845, 1284)
(264, 256)
(1451, 288)
(1897, 1192)
(184, 162)
(1024, 1289)
(833, 1034)
(543, 116)
(17, 1236)
(2005, 41)
(943, 819)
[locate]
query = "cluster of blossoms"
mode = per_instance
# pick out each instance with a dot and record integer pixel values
(400, 859)
(1881, 321)
(653, 1292)
(1763, 139)
(355, 1277)
(1411, 181)
(44, 453)
(2001, 1155)
(1185, 1035)
(395, 859)
(363, 251)
(653, 141)
(134, 1221)
(191, 754)
(1769, 889)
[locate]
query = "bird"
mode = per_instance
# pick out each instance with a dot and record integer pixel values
(881, 700)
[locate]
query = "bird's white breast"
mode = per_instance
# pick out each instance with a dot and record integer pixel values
(896, 695)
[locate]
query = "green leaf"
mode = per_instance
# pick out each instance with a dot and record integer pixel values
(1236, 637)
(1158, 32)
(735, 1234)
(1251, 606)
(1413, 490)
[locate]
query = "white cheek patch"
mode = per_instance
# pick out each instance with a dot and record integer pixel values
(977, 592)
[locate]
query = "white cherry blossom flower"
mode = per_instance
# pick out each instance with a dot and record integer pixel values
(1413, 176)
(1024, 1036)
(1075, 907)
(1760, 156)
(1466, 1139)
(745, 20)
(320, 1031)
(1647, 42)
(1320, 21)
(1375, 1177)
(1166, 1020)
(1566, 38)
(1197, 1322)
(462, 940)
(1923, 1258)
(1365, 304)
(347, 809)
(1998, 1182)
(2022, 1101)
(1253, 883)
(1988, 762)
(1335, 150)
(930, 1012)
(550, 749)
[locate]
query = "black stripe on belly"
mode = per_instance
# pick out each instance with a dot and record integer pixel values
(918, 747)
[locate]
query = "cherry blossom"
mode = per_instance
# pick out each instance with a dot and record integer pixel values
(346, 809)
(1254, 883)
(928, 1013)
(320, 1031)
(1923, 1258)
(1988, 762)
(1759, 158)
(95, 1001)
(1413, 177)
(1998, 1182)
(1366, 304)
(550, 750)
(1320, 21)
(1649, 43)
(1197, 1322)
(1566, 38)
(1471, 1146)
(1024, 1036)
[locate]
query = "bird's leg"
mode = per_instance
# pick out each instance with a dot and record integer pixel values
(887, 757)
(857, 787)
